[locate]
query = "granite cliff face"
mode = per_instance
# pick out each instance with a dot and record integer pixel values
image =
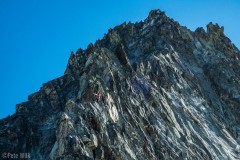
(165, 93)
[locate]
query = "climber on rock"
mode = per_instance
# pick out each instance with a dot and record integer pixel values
(105, 100)
(98, 96)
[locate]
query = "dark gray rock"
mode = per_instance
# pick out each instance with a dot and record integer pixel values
(166, 93)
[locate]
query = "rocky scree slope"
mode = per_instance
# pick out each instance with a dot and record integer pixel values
(171, 94)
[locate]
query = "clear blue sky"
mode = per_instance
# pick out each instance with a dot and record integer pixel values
(37, 36)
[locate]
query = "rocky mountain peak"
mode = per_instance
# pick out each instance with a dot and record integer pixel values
(214, 28)
(147, 90)
(156, 13)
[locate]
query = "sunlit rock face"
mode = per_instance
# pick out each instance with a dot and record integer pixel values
(149, 90)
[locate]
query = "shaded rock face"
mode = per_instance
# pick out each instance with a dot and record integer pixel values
(165, 93)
